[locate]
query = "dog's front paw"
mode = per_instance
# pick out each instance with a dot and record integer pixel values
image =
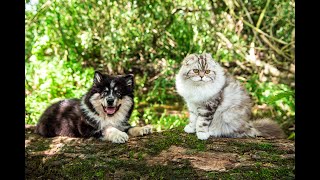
(189, 129)
(146, 130)
(118, 137)
(140, 131)
(203, 135)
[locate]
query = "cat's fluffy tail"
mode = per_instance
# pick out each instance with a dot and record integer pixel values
(267, 128)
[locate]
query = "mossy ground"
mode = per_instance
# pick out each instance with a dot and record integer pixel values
(73, 158)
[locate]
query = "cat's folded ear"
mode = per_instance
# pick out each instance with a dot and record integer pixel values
(208, 56)
(129, 80)
(97, 77)
(189, 59)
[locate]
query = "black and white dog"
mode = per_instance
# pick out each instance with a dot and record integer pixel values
(103, 112)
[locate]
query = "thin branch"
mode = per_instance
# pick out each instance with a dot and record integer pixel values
(185, 9)
(274, 47)
(27, 82)
(64, 41)
(224, 39)
(156, 76)
(173, 12)
(260, 31)
(42, 8)
(257, 48)
(62, 34)
(26, 59)
(289, 44)
(262, 14)
(251, 21)
(212, 7)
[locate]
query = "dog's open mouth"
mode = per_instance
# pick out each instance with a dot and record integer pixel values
(110, 110)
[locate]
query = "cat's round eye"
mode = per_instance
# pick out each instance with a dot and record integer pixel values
(207, 71)
(196, 70)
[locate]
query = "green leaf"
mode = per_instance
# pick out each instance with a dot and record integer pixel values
(285, 94)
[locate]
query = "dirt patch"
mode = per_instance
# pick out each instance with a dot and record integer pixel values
(208, 161)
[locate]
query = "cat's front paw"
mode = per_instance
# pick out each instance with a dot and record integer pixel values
(118, 137)
(203, 135)
(189, 129)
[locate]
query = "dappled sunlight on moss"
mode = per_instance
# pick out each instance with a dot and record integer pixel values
(170, 154)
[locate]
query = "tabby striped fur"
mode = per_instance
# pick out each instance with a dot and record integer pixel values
(218, 104)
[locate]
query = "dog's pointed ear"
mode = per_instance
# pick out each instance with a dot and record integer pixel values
(129, 80)
(97, 77)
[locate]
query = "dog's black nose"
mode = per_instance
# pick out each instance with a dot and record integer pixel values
(110, 102)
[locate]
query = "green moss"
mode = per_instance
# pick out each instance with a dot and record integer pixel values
(174, 137)
(140, 155)
(39, 145)
(84, 169)
(192, 142)
(96, 160)
(246, 147)
(184, 170)
(131, 154)
(138, 169)
(255, 173)
(278, 160)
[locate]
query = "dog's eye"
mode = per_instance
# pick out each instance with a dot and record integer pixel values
(105, 92)
(116, 91)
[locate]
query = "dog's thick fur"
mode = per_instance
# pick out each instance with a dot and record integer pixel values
(103, 112)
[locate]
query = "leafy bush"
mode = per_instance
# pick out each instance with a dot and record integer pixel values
(67, 40)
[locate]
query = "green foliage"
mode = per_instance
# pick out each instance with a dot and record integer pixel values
(282, 95)
(279, 98)
(45, 86)
(67, 40)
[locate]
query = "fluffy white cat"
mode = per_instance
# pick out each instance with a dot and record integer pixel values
(218, 105)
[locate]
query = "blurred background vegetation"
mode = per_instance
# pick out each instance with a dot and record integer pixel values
(66, 40)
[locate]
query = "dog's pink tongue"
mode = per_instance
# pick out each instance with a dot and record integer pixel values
(110, 110)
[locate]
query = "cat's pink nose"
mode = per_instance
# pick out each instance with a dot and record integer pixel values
(201, 74)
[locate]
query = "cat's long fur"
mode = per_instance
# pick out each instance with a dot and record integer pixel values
(218, 105)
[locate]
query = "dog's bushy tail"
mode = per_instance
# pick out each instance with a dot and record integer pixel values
(268, 128)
